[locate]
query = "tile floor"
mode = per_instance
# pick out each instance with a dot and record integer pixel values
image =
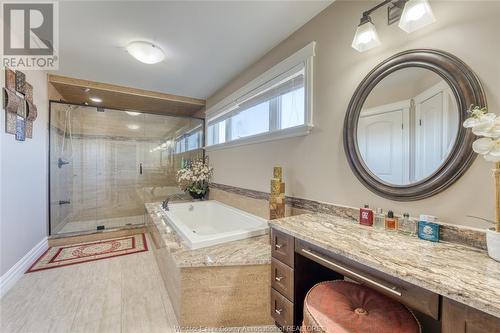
(121, 294)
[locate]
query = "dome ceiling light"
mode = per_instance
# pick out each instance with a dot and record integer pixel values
(411, 14)
(146, 52)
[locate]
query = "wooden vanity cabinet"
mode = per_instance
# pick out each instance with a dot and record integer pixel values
(296, 266)
(282, 274)
(459, 318)
(291, 278)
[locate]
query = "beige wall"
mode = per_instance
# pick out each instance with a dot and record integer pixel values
(24, 181)
(315, 166)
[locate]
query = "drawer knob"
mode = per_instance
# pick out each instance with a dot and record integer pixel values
(278, 246)
(278, 278)
(278, 311)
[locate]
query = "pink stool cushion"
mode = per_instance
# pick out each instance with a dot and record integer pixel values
(347, 307)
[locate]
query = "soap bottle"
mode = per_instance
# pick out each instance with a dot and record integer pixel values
(406, 225)
(391, 222)
(366, 216)
(379, 219)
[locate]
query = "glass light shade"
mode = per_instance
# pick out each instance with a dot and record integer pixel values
(366, 37)
(146, 52)
(416, 14)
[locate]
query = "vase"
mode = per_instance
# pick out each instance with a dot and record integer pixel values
(493, 243)
(197, 196)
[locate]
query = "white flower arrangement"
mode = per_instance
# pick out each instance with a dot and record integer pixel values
(195, 178)
(486, 125)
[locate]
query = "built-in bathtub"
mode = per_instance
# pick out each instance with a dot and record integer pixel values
(224, 285)
(207, 223)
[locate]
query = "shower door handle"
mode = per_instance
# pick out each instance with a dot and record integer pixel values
(140, 168)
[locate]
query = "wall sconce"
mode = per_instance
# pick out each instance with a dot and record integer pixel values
(366, 36)
(412, 15)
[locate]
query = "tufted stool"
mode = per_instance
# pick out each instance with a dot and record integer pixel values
(347, 307)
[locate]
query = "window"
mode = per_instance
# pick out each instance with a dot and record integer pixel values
(275, 105)
(190, 141)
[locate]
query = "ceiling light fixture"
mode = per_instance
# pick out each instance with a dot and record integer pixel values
(416, 14)
(95, 99)
(133, 127)
(134, 114)
(145, 52)
(412, 15)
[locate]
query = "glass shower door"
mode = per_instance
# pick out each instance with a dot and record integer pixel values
(73, 169)
(119, 179)
(158, 151)
(105, 164)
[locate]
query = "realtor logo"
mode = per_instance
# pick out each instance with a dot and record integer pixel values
(30, 35)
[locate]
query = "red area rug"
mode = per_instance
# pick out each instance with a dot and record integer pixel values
(65, 255)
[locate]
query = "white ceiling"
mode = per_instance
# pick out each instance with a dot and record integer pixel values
(207, 43)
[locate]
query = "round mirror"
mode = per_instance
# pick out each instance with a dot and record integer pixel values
(407, 126)
(402, 134)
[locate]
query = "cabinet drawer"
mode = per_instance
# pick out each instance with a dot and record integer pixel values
(413, 296)
(282, 278)
(282, 246)
(281, 309)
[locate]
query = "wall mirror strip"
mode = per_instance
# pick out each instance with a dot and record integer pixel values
(402, 132)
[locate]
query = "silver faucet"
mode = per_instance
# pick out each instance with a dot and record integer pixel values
(164, 204)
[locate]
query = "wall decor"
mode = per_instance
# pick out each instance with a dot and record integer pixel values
(277, 197)
(20, 110)
(20, 129)
(20, 81)
(31, 114)
(10, 79)
(28, 92)
(11, 104)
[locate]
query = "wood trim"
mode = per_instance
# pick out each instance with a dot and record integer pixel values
(124, 90)
(467, 90)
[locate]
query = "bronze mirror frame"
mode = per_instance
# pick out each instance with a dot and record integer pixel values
(467, 91)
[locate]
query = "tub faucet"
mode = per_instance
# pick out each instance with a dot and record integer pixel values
(164, 204)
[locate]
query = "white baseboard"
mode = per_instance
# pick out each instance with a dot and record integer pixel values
(16, 272)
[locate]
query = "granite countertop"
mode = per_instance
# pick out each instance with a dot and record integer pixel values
(461, 273)
(250, 251)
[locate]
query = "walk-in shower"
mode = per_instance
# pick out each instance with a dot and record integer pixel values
(105, 164)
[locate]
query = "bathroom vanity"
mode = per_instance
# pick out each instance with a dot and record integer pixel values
(455, 287)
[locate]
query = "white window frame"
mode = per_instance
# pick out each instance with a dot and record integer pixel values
(182, 139)
(304, 57)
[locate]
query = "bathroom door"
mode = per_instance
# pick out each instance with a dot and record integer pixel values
(383, 144)
(431, 143)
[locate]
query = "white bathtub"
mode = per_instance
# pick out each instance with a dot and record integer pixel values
(206, 223)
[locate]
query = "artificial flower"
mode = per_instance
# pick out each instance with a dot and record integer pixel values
(489, 148)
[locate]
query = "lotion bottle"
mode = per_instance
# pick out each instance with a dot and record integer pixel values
(391, 222)
(379, 220)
